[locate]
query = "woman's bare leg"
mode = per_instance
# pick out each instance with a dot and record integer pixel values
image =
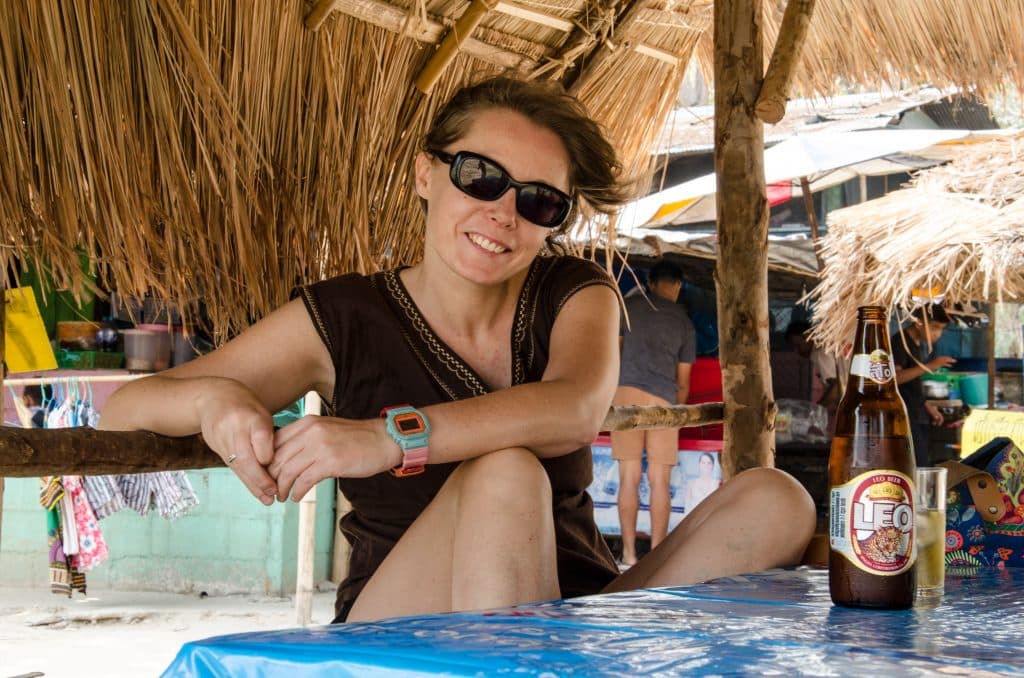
(486, 540)
(760, 519)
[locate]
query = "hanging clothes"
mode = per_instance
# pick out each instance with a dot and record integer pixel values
(64, 577)
(169, 491)
(92, 548)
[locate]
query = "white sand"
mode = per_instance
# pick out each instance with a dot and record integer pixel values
(121, 634)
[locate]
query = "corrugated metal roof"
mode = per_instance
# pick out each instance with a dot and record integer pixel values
(691, 129)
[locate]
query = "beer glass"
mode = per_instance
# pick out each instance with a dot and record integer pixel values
(931, 531)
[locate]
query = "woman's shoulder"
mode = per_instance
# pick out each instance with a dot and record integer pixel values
(560, 277)
(567, 265)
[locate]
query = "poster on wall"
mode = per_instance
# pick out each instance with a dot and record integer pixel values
(697, 474)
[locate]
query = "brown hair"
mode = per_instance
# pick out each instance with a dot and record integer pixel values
(594, 167)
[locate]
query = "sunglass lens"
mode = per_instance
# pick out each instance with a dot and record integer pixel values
(541, 206)
(481, 179)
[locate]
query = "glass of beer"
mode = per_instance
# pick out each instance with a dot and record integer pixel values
(930, 510)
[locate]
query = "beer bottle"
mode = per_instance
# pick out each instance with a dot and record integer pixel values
(870, 476)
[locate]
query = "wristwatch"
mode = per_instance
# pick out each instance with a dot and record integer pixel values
(408, 427)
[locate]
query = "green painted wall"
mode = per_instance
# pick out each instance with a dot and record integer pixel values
(230, 543)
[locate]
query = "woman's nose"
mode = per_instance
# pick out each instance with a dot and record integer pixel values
(503, 210)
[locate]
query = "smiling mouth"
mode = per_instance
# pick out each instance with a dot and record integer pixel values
(486, 244)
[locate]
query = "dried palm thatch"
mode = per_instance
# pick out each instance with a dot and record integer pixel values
(959, 227)
(224, 151)
(972, 44)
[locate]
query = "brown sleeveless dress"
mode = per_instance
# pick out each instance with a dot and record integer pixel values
(385, 354)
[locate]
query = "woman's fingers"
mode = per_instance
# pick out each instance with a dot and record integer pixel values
(306, 481)
(262, 441)
(291, 471)
(290, 431)
(242, 459)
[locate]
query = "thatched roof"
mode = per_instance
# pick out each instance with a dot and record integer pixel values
(958, 228)
(207, 148)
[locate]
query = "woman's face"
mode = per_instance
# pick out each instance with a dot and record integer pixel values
(707, 467)
(489, 242)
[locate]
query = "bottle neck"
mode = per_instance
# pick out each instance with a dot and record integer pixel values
(871, 367)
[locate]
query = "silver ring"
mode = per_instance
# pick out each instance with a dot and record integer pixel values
(231, 458)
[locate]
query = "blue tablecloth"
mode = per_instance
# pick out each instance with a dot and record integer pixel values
(775, 623)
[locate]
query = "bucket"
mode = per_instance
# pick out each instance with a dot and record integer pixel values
(182, 349)
(146, 350)
(974, 389)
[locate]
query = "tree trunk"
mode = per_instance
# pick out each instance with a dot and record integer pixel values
(741, 274)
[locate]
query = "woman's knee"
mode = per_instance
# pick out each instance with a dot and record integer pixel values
(772, 492)
(509, 475)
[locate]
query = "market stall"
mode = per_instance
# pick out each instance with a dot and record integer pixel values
(954, 235)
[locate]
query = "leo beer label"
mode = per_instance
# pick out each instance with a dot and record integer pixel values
(871, 522)
(876, 366)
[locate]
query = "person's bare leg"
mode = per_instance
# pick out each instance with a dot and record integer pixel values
(760, 519)
(658, 477)
(628, 503)
(662, 446)
(486, 540)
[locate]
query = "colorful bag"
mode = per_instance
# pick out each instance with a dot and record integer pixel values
(985, 508)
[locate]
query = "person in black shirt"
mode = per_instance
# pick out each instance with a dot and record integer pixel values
(912, 356)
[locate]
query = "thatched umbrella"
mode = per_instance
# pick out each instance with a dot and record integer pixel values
(958, 228)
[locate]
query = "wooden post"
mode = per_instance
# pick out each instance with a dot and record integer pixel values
(304, 566)
(741, 274)
(3, 370)
(812, 218)
(991, 355)
(771, 102)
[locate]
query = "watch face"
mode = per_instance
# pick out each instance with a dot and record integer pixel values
(409, 423)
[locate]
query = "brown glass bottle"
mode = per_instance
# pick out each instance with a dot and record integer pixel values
(870, 475)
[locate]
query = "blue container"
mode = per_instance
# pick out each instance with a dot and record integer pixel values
(974, 388)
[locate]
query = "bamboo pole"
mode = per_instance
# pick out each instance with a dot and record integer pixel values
(319, 13)
(771, 102)
(445, 54)
(741, 275)
(28, 453)
(307, 537)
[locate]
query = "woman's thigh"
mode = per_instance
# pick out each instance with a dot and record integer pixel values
(466, 517)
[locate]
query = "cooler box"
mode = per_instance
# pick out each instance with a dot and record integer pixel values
(690, 478)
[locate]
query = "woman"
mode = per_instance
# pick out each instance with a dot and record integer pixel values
(701, 487)
(510, 361)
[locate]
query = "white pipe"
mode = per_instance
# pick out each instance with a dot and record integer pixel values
(39, 381)
(307, 538)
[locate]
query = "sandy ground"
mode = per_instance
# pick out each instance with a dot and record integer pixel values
(121, 634)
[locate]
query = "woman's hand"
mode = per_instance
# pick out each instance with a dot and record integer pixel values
(314, 448)
(237, 426)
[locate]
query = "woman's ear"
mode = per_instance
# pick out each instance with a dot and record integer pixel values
(423, 167)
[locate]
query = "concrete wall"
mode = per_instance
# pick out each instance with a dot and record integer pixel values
(230, 543)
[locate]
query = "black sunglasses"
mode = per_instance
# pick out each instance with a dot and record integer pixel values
(482, 178)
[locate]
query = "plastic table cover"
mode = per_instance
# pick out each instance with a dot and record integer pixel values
(775, 623)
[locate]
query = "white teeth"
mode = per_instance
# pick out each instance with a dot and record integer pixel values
(488, 245)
